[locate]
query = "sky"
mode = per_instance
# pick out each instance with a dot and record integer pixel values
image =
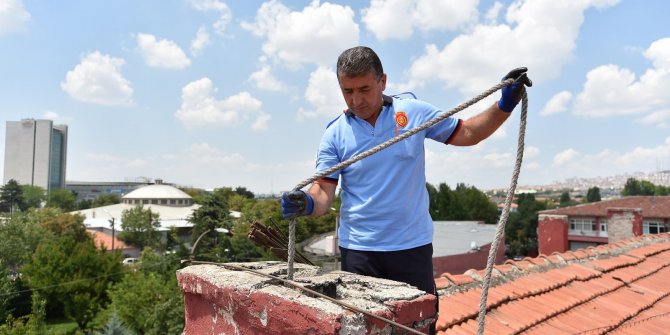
(213, 93)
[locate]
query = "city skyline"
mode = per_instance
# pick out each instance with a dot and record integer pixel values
(210, 93)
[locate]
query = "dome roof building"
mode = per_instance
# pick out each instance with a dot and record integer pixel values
(158, 194)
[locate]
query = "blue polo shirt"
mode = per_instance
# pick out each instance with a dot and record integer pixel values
(384, 196)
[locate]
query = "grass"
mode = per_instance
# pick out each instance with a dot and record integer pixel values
(61, 326)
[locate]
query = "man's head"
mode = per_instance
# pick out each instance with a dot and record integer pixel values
(358, 61)
(362, 81)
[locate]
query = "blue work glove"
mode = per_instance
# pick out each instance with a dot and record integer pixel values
(296, 203)
(511, 94)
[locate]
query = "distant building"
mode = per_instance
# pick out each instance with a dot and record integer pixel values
(457, 246)
(86, 190)
(608, 221)
(173, 206)
(36, 153)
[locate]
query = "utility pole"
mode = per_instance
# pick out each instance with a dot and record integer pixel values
(111, 221)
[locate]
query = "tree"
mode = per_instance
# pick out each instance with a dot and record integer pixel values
(7, 292)
(74, 277)
(593, 194)
(212, 214)
(67, 225)
(20, 235)
(106, 199)
(140, 227)
(61, 198)
(11, 196)
(643, 187)
(244, 192)
(33, 197)
(32, 324)
(521, 228)
(149, 300)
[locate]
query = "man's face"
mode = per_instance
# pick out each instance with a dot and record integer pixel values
(363, 94)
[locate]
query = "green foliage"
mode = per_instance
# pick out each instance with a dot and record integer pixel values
(521, 227)
(463, 203)
(115, 327)
(643, 187)
(149, 301)
(244, 192)
(67, 225)
(212, 214)
(140, 227)
(20, 235)
(74, 276)
(33, 324)
(8, 292)
(62, 198)
(33, 197)
(105, 200)
(593, 194)
(11, 196)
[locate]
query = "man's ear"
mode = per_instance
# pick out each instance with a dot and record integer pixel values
(382, 81)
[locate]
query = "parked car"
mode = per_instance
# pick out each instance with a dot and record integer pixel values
(130, 260)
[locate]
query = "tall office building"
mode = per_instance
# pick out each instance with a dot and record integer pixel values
(36, 153)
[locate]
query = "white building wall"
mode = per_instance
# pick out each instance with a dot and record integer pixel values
(28, 152)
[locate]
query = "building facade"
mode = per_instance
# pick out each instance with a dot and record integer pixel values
(609, 221)
(36, 153)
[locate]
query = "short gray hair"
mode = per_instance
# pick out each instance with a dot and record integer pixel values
(358, 61)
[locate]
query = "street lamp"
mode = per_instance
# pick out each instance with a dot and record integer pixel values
(111, 221)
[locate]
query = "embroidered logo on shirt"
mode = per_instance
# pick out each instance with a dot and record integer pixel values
(401, 119)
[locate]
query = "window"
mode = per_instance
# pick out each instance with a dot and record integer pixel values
(654, 227)
(583, 224)
(603, 225)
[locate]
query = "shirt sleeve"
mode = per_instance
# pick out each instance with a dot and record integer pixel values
(328, 155)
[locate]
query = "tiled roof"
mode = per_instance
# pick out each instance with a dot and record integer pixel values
(619, 288)
(101, 239)
(651, 206)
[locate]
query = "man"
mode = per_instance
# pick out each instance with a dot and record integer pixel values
(385, 228)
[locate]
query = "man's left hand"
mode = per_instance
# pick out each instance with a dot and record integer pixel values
(511, 94)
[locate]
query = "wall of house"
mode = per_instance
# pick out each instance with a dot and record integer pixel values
(458, 264)
(224, 301)
(552, 233)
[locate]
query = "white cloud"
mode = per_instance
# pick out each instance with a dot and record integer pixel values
(493, 12)
(161, 53)
(566, 156)
(499, 159)
(13, 16)
(383, 16)
(557, 104)
(531, 152)
(50, 115)
(200, 109)
(660, 118)
(200, 41)
(323, 93)
(264, 80)
(261, 122)
(312, 35)
(225, 15)
(538, 34)
(611, 161)
(98, 79)
(610, 90)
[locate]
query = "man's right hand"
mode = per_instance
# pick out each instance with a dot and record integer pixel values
(296, 203)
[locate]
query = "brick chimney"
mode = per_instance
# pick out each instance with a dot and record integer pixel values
(623, 223)
(222, 301)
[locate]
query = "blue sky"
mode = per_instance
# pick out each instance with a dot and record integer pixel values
(212, 93)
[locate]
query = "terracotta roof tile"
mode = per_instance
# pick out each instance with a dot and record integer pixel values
(620, 288)
(651, 206)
